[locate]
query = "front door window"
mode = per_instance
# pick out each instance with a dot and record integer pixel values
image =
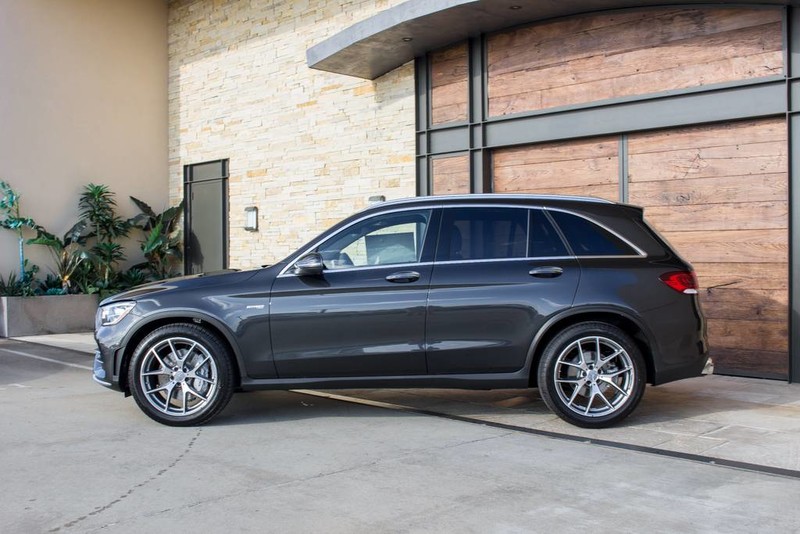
(397, 238)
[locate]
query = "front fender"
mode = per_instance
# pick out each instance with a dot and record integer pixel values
(152, 320)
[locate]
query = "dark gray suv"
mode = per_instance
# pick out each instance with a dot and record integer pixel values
(577, 296)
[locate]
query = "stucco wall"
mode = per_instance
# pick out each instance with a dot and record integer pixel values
(84, 99)
(307, 147)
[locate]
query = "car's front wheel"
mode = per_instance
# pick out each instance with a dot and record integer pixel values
(180, 375)
(592, 375)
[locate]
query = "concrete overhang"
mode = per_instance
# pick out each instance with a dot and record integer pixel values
(379, 44)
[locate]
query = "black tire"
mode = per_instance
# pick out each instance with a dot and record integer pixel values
(181, 375)
(580, 391)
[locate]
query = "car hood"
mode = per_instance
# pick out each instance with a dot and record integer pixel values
(193, 281)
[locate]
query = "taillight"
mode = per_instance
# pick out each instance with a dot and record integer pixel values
(681, 281)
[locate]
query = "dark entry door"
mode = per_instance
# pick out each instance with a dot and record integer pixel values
(206, 187)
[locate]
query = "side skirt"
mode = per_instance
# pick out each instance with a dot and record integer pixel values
(514, 380)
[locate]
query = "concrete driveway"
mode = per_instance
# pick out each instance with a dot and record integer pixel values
(79, 458)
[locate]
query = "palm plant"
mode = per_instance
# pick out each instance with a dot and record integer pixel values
(98, 208)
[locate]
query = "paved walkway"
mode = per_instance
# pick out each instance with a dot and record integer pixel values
(728, 418)
(83, 342)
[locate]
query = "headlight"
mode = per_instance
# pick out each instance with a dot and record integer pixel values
(114, 313)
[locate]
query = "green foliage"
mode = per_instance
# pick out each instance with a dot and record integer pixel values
(87, 258)
(84, 278)
(161, 244)
(98, 206)
(51, 285)
(67, 253)
(133, 277)
(11, 286)
(11, 219)
(98, 209)
(20, 287)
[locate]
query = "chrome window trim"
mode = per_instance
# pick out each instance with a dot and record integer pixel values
(599, 257)
(367, 268)
(537, 258)
(437, 205)
(528, 216)
(640, 253)
(495, 260)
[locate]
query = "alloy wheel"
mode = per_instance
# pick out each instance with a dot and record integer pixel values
(179, 376)
(594, 376)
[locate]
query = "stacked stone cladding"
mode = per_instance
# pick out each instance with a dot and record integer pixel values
(306, 147)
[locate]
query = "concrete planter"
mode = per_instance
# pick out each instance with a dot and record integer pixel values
(61, 314)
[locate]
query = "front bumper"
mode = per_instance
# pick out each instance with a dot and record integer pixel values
(99, 369)
(108, 356)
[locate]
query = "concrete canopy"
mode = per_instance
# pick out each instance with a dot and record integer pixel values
(379, 44)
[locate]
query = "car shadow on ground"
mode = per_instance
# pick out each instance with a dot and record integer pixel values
(264, 407)
(513, 406)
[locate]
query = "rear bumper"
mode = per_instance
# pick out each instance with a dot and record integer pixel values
(680, 346)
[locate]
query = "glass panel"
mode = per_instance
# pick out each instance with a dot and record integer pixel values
(207, 233)
(206, 171)
(483, 233)
(544, 240)
(383, 240)
(588, 239)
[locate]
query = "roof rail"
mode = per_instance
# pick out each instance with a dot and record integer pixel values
(501, 196)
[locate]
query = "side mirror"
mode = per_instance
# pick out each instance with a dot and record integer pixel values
(309, 265)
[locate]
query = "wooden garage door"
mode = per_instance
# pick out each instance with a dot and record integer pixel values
(582, 167)
(720, 194)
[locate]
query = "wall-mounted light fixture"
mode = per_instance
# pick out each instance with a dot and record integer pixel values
(251, 219)
(376, 199)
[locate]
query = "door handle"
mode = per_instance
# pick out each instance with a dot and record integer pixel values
(546, 272)
(403, 277)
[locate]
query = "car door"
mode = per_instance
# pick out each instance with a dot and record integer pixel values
(364, 315)
(499, 273)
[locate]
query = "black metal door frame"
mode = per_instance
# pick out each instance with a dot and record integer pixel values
(188, 180)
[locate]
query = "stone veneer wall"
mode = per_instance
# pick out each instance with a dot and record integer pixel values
(307, 147)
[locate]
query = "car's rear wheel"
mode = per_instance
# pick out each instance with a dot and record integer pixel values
(180, 375)
(592, 375)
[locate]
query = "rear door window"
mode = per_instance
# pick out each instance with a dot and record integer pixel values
(544, 239)
(483, 234)
(589, 239)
